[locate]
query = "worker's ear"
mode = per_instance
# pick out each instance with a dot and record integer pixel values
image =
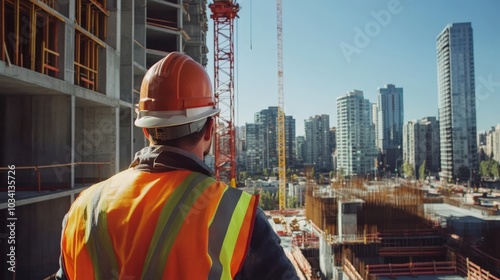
(146, 133)
(209, 132)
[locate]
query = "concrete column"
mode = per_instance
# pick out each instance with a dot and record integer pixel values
(69, 44)
(117, 139)
(111, 77)
(112, 54)
(114, 24)
(69, 52)
(132, 135)
(140, 33)
(73, 120)
(126, 77)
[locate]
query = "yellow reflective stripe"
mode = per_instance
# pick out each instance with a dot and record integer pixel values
(97, 238)
(232, 234)
(218, 229)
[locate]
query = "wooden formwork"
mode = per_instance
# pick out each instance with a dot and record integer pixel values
(387, 209)
(29, 32)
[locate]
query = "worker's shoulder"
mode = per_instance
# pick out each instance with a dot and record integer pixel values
(98, 185)
(212, 180)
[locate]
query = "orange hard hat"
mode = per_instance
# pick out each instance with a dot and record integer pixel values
(175, 91)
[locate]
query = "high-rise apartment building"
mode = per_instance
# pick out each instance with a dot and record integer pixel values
(374, 114)
(355, 142)
(300, 143)
(494, 143)
(70, 74)
(421, 144)
(269, 135)
(318, 145)
(390, 118)
(290, 146)
(333, 146)
(491, 143)
(457, 99)
(254, 148)
(333, 140)
(240, 136)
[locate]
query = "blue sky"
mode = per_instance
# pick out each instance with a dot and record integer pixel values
(324, 55)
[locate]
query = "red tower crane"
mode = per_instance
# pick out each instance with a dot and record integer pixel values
(223, 14)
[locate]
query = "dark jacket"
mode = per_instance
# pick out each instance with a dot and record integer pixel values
(266, 258)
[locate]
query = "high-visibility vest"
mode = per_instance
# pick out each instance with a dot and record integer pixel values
(145, 225)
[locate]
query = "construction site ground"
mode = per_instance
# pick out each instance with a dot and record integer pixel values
(390, 230)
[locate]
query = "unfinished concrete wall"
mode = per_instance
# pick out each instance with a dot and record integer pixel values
(36, 131)
(112, 73)
(196, 26)
(37, 242)
(95, 132)
(125, 144)
(16, 124)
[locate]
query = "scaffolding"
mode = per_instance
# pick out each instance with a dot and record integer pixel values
(30, 32)
(29, 35)
(91, 17)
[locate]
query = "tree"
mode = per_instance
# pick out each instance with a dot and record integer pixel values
(292, 202)
(489, 168)
(408, 169)
(495, 169)
(421, 171)
(484, 168)
(267, 201)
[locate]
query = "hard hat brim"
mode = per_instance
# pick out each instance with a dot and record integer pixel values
(154, 119)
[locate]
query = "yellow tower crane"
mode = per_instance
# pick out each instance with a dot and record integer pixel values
(281, 114)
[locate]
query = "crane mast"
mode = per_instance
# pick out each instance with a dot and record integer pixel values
(223, 14)
(281, 114)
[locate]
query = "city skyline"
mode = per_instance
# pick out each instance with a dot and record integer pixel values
(324, 55)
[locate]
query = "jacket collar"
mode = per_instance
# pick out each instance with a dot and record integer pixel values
(164, 158)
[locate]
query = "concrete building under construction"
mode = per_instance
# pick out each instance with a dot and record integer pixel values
(70, 74)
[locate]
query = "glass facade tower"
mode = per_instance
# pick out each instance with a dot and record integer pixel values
(457, 100)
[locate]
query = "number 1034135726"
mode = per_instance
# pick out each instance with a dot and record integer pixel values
(11, 189)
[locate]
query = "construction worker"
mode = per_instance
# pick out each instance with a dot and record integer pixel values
(166, 217)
